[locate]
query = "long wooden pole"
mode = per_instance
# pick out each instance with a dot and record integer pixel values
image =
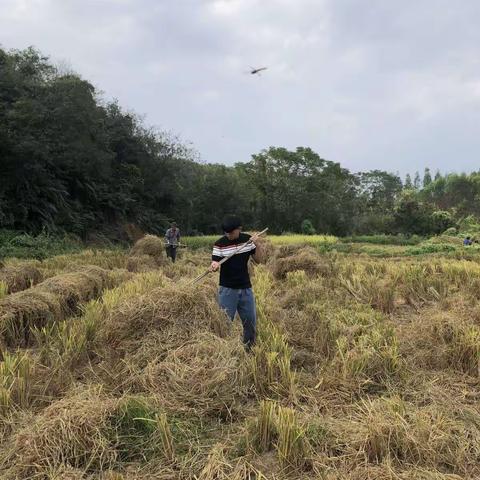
(237, 251)
(176, 245)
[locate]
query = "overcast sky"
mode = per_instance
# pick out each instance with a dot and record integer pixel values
(387, 84)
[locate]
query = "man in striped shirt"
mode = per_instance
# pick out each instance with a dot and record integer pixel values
(235, 291)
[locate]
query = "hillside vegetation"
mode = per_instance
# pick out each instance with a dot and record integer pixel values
(75, 163)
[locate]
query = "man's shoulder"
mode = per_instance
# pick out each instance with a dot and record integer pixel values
(224, 241)
(221, 241)
(244, 237)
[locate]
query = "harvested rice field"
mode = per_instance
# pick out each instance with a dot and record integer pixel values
(115, 367)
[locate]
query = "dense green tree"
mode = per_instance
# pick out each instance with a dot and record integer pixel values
(417, 182)
(294, 185)
(377, 194)
(412, 216)
(74, 163)
(216, 193)
(441, 221)
(427, 178)
(408, 182)
(380, 189)
(69, 162)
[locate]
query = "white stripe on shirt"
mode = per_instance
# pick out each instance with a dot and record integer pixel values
(224, 252)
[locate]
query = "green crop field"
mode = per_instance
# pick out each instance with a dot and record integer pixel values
(313, 240)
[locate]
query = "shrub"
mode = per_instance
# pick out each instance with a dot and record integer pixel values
(307, 228)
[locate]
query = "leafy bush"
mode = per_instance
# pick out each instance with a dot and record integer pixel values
(307, 228)
(441, 221)
(468, 224)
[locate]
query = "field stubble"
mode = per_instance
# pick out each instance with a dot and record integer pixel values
(364, 368)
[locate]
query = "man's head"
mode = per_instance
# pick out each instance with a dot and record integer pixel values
(173, 225)
(232, 226)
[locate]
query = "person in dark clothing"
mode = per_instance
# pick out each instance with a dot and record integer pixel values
(235, 290)
(467, 241)
(172, 238)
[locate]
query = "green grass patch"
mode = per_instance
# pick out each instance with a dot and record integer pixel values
(312, 240)
(136, 425)
(384, 239)
(379, 246)
(196, 243)
(430, 248)
(44, 245)
(372, 250)
(207, 241)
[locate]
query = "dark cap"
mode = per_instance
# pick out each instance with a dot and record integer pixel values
(230, 223)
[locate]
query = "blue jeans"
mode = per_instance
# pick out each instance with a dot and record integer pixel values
(233, 300)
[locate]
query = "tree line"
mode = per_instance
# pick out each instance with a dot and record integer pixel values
(72, 162)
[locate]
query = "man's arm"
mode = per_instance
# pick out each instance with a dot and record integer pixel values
(257, 255)
(216, 257)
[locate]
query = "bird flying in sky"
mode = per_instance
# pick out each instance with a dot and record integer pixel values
(255, 71)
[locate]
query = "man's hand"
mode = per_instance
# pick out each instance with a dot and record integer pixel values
(214, 266)
(254, 240)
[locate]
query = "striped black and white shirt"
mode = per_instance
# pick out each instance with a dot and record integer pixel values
(234, 272)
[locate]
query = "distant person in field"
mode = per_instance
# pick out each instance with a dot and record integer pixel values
(235, 291)
(467, 241)
(172, 239)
